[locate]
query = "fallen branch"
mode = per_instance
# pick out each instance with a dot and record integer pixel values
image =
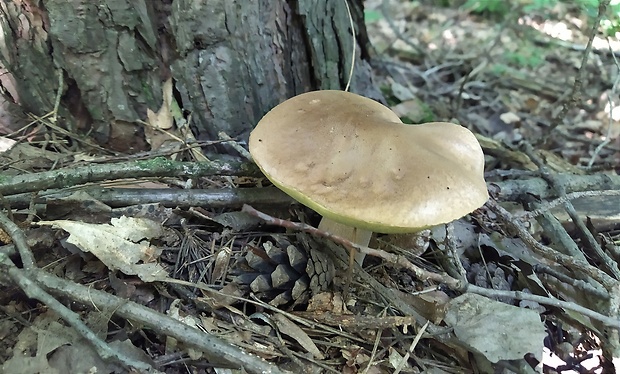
(169, 197)
(21, 278)
(157, 322)
(425, 275)
(19, 241)
(156, 168)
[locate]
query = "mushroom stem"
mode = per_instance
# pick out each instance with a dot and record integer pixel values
(352, 234)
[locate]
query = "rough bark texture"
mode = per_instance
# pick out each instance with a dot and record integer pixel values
(230, 60)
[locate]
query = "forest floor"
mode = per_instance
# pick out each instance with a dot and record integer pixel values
(540, 263)
(511, 78)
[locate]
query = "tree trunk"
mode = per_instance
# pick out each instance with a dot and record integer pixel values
(230, 61)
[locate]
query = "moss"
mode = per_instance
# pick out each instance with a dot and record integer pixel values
(147, 92)
(157, 162)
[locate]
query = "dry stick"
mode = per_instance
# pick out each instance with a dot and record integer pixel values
(575, 93)
(234, 144)
(34, 291)
(397, 260)
(19, 241)
(613, 345)
(608, 321)
(375, 346)
(399, 35)
(455, 284)
(548, 205)
(156, 168)
(155, 321)
(610, 102)
(570, 209)
(116, 197)
(488, 59)
(571, 281)
(556, 232)
(511, 190)
(160, 167)
(60, 73)
(168, 197)
(414, 343)
(451, 246)
(550, 255)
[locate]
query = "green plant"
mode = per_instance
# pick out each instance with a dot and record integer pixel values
(371, 16)
(525, 56)
(611, 24)
(498, 8)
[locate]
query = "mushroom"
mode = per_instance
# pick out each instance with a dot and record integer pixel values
(352, 160)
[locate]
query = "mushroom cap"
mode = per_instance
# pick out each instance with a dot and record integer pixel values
(352, 160)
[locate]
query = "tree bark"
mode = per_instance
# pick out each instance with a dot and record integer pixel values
(230, 61)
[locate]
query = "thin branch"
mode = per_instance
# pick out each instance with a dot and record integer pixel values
(575, 93)
(157, 322)
(608, 321)
(610, 101)
(19, 241)
(397, 260)
(586, 235)
(453, 283)
(548, 205)
(155, 168)
(34, 291)
(550, 255)
(54, 116)
(169, 197)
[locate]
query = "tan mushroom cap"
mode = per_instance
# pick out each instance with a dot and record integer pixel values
(351, 159)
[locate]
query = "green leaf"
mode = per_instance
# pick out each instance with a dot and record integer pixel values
(371, 16)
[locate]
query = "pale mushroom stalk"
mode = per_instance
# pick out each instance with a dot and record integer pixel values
(352, 234)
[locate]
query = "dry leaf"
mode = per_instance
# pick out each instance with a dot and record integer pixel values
(509, 117)
(286, 327)
(496, 330)
(220, 266)
(120, 246)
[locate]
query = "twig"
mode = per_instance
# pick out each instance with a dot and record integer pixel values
(182, 198)
(550, 255)
(571, 281)
(513, 189)
(397, 260)
(157, 322)
(54, 116)
(375, 346)
(575, 93)
(451, 246)
(34, 291)
(586, 235)
(414, 343)
(548, 205)
(613, 345)
(454, 284)
(156, 168)
(612, 94)
(608, 321)
(19, 241)
(235, 145)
